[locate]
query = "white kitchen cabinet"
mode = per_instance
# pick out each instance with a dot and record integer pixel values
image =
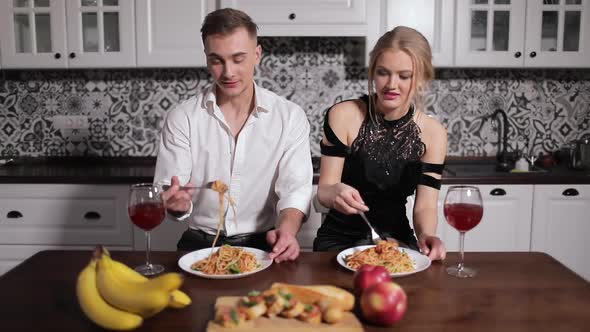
(309, 229)
(12, 255)
(168, 32)
(33, 35)
(558, 33)
(34, 217)
(434, 19)
(319, 18)
(506, 221)
(514, 33)
(163, 238)
(67, 34)
(561, 225)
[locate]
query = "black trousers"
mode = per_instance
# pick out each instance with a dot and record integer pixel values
(193, 239)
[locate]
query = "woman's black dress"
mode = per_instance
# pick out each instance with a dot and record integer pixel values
(384, 165)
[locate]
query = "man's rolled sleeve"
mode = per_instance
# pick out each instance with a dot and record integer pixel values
(295, 176)
(174, 151)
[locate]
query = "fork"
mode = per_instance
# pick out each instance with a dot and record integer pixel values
(376, 236)
(207, 185)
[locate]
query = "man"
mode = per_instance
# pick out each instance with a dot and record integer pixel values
(244, 135)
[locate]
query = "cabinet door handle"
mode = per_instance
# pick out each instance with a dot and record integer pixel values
(57, 55)
(533, 54)
(92, 215)
(72, 55)
(498, 192)
(570, 192)
(14, 215)
(517, 54)
(292, 16)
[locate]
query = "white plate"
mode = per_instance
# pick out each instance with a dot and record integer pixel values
(187, 260)
(420, 261)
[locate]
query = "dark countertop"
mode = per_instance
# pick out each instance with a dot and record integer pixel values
(513, 291)
(79, 170)
(127, 170)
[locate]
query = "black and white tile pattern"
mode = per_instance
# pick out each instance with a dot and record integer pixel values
(125, 108)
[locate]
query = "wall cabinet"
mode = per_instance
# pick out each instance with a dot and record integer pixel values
(35, 217)
(561, 225)
(506, 222)
(434, 19)
(356, 18)
(168, 32)
(533, 33)
(67, 34)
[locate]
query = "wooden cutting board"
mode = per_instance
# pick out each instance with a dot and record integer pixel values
(349, 322)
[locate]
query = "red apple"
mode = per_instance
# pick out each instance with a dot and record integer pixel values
(368, 275)
(384, 303)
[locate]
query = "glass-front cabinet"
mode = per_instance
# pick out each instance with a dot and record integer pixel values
(67, 34)
(516, 33)
(101, 31)
(558, 32)
(490, 33)
(33, 33)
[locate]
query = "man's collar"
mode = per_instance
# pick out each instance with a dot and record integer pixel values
(261, 102)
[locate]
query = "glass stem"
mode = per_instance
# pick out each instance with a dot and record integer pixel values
(148, 247)
(461, 243)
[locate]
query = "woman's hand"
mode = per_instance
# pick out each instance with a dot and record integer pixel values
(343, 198)
(432, 247)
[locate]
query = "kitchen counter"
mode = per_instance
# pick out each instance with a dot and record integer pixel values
(79, 170)
(511, 292)
(127, 170)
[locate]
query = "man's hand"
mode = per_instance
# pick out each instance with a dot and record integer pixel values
(284, 245)
(432, 247)
(177, 201)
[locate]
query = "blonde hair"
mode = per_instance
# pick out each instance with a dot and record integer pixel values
(412, 43)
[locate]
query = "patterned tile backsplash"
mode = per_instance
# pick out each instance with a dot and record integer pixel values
(126, 108)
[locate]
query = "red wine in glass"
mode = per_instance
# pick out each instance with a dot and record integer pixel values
(463, 216)
(147, 215)
(463, 209)
(146, 210)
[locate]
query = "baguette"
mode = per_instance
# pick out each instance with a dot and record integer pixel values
(326, 296)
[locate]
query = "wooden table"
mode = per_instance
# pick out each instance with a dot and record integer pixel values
(512, 292)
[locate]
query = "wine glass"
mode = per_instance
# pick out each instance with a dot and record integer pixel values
(146, 210)
(463, 210)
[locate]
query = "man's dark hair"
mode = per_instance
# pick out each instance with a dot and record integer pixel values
(225, 21)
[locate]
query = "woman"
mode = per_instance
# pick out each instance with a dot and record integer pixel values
(378, 149)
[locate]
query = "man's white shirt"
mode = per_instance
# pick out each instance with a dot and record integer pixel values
(268, 168)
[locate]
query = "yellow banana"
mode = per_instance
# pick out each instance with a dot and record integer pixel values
(140, 298)
(179, 299)
(167, 281)
(96, 308)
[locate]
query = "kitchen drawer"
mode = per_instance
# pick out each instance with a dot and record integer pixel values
(51, 214)
(12, 255)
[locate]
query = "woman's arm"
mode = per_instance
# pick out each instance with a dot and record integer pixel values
(425, 213)
(345, 120)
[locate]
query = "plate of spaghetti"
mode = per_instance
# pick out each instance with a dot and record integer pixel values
(398, 261)
(225, 262)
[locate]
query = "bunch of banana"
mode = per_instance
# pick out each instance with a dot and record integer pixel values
(116, 297)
